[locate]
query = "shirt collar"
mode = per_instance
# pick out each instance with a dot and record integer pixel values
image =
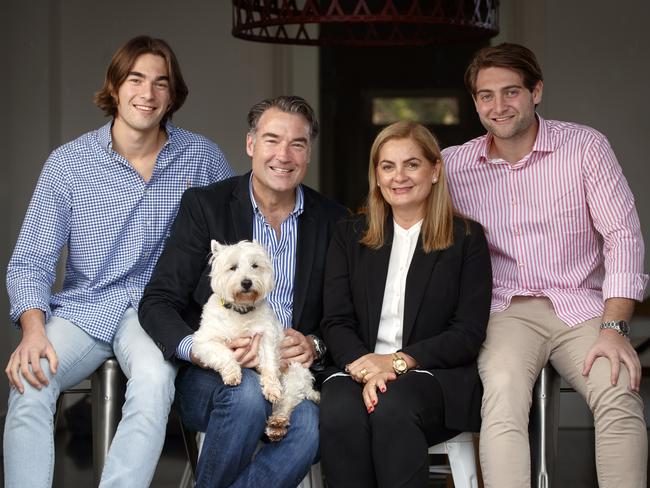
(297, 208)
(401, 231)
(105, 136)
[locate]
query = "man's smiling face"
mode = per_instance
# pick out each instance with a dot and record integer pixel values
(144, 98)
(504, 105)
(280, 149)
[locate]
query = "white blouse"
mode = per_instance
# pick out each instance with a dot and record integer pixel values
(391, 322)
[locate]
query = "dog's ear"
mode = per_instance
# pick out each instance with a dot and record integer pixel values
(215, 247)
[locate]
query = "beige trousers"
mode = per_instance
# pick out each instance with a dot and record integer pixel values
(520, 341)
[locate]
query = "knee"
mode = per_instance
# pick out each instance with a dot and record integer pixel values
(247, 397)
(504, 384)
(392, 413)
(341, 413)
(611, 403)
(33, 402)
(155, 383)
(506, 397)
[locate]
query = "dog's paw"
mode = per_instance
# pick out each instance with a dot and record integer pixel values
(271, 389)
(231, 375)
(276, 427)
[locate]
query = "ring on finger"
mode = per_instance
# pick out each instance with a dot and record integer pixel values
(363, 372)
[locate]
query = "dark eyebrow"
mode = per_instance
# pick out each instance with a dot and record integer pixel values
(271, 135)
(141, 75)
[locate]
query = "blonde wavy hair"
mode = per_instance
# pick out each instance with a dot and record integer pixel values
(437, 227)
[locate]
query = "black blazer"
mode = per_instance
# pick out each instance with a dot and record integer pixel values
(171, 306)
(446, 309)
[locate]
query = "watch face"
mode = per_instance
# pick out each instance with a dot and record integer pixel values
(625, 329)
(400, 365)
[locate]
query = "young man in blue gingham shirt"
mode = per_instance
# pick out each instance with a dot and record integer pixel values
(110, 196)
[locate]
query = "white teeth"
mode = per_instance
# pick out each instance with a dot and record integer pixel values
(281, 170)
(143, 107)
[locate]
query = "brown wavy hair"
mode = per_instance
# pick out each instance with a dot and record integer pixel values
(507, 55)
(121, 65)
(437, 228)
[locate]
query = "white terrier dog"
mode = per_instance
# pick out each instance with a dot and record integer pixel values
(241, 278)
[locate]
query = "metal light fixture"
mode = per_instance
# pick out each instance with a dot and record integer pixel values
(364, 22)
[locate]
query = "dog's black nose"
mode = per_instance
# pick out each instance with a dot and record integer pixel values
(246, 284)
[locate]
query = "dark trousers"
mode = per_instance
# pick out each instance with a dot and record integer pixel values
(387, 448)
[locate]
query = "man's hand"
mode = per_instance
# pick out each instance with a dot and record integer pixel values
(295, 347)
(617, 349)
(246, 350)
(25, 361)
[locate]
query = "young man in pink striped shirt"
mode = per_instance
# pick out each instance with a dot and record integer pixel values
(567, 257)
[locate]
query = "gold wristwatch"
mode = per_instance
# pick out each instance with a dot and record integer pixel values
(399, 364)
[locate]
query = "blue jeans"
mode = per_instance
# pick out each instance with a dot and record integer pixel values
(134, 453)
(233, 419)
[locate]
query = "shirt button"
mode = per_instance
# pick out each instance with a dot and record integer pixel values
(520, 264)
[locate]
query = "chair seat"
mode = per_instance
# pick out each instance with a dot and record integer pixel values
(462, 460)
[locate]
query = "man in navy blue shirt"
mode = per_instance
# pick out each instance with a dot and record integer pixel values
(110, 196)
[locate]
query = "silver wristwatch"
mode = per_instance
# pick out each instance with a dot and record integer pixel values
(319, 346)
(619, 326)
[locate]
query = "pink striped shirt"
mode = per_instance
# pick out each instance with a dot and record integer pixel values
(561, 223)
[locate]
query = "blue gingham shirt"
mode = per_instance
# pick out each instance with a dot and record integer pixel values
(283, 256)
(114, 224)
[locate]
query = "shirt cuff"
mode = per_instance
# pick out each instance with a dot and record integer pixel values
(625, 285)
(184, 348)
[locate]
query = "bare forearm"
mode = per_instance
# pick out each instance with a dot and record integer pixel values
(618, 309)
(32, 321)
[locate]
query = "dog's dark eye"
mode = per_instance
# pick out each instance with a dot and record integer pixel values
(233, 267)
(254, 266)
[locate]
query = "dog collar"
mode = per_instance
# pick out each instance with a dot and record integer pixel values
(237, 308)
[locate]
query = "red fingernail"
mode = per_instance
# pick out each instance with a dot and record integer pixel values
(383, 390)
(374, 402)
(371, 409)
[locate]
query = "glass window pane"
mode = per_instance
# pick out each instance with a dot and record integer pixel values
(425, 110)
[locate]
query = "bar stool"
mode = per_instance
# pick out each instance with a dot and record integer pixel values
(543, 427)
(462, 460)
(107, 389)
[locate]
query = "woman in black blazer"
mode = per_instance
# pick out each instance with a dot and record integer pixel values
(406, 303)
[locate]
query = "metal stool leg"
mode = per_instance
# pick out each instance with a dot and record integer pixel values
(108, 386)
(544, 419)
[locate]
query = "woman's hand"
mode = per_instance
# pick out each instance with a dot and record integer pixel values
(369, 365)
(379, 381)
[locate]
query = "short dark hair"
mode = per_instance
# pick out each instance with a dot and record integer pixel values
(122, 63)
(286, 103)
(507, 55)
